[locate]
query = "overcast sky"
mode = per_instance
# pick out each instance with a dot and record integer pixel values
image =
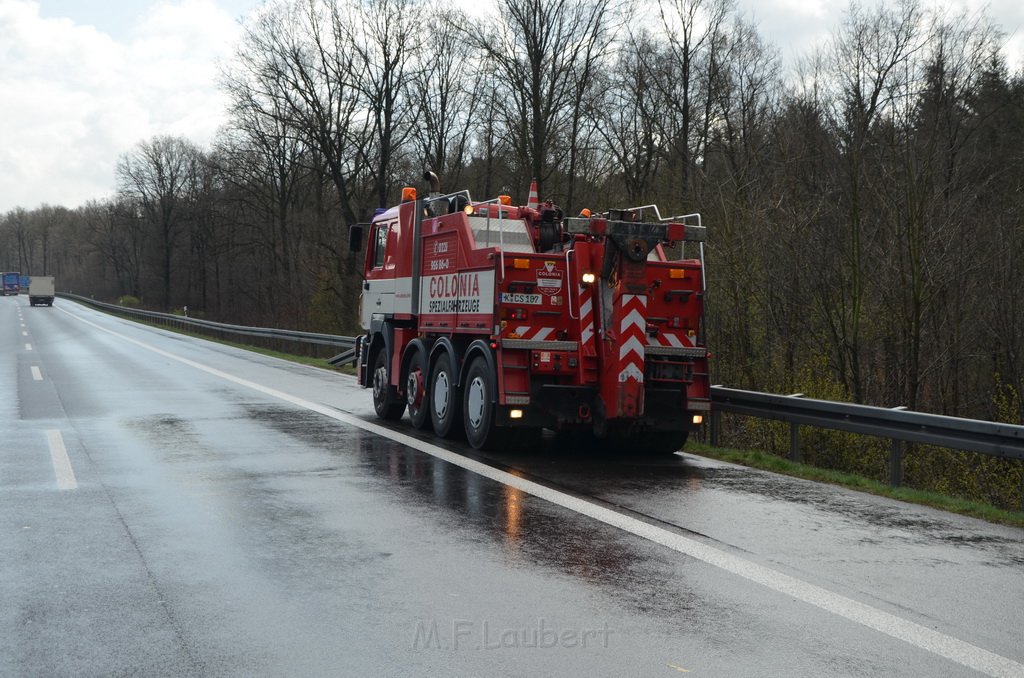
(83, 81)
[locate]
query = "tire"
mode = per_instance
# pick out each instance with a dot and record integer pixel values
(663, 443)
(520, 440)
(445, 399)
(416, 392)
(385, 402)
(478, 405)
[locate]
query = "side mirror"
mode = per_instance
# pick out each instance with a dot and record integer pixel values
(355, 237)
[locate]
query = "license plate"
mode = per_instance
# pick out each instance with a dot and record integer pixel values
(521, 299)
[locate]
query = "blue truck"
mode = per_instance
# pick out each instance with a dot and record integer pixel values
(12, 283)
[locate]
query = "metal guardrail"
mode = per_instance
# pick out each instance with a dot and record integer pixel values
(898, 425)
(208, 326)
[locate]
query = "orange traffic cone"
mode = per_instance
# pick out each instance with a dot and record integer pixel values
(534, 200)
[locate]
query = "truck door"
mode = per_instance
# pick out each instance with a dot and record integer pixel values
(379, 284)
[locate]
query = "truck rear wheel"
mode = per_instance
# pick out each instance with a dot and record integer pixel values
(663, 442)
(416, 391)
(445, 398)
(478, 405)
(385, 403)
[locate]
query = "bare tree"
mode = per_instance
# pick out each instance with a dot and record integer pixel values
(301, 61)
(922, 184)
(746, 98)
(628, 118)
(386, 37)
(693, 32)
(266, 163)
(115, 231)
(867, 53)
(157, 176)
(545, 53)
(15, 232)
(447, 89)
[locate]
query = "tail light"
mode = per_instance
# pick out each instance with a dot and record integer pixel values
(509, 313)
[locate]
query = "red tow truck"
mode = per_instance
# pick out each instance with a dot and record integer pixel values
(488, 318)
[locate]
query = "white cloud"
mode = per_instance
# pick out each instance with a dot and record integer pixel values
(797, 27)
(76, 99)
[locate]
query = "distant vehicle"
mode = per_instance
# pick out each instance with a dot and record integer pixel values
(41, 290)
(23, 282)
(12, 283)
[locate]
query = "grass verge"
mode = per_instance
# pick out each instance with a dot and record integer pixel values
(770, 462)
(305, 360)
(302, 359)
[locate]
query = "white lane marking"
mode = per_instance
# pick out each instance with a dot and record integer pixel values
(24, 334)
(28, 347)
(61, 463)
(954, 649)
(36, 374)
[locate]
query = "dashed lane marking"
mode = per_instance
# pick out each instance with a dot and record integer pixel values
(61, 463)
(36, 374)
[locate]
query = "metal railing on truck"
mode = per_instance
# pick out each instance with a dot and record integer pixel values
(223, 330)
(899, 425)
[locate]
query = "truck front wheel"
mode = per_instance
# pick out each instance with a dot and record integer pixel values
(385, 403)
(445, 398)
(478, 405)
(416, 391)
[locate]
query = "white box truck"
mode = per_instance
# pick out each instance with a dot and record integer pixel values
(40, 290)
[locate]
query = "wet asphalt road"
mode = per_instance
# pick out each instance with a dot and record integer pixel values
(222, 513)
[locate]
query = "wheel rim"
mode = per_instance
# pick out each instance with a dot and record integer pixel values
(380, 378)
(475, 402)
(442, 390)
(414, 389)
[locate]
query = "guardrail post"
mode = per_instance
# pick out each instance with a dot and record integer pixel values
(716, 425)
(896, 463)
(794, 436)
(896, 457)
(794, 443)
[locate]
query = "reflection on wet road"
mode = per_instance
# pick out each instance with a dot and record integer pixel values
(236, 515)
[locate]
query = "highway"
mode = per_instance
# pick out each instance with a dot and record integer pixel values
(173, 507)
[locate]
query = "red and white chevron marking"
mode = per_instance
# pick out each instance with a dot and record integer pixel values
(673, 340)
(534, 333)
(586, 319)
(632, 328)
